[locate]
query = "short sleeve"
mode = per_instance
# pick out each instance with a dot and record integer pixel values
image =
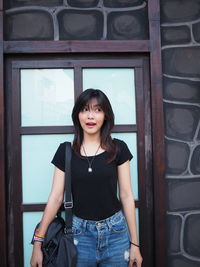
(124, 153)
(59, 157)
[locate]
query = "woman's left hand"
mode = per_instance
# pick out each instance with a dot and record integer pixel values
(135, 257)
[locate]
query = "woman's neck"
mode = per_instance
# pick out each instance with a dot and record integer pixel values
(91, 140)
(91, 145)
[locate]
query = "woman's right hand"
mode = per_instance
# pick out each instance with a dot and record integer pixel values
(37, 256)
(54, 201)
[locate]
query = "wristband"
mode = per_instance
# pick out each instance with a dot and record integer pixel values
(38, 237)
(134, 244)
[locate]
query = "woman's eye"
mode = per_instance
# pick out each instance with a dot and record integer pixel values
(97, 110)
(85, 109)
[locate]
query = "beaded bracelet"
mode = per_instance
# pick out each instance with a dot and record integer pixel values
(38, 237)
(134, 244)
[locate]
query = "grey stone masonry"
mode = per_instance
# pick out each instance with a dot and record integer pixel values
(180, 38)
(179, 11)
(183, 61)
(29, 25)
(178, 156)
(76, 20)
(175, 35)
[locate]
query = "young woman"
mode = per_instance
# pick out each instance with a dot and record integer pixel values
(104, 227)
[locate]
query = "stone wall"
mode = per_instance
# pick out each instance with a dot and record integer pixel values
(76, 20)
(180, 32)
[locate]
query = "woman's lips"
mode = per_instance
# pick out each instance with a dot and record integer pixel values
(90, 124)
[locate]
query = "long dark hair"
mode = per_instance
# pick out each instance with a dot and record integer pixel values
(105, 137)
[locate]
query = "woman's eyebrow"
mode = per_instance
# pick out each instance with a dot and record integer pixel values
(93, 105)
(96, 105)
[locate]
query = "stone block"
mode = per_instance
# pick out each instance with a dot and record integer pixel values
(192, 235)
(128, 25)
(83, 3)
(195, 161)
(198, 136)
(122, 3)
(29, 25)
(183, 194)
(196, 31)
(177, 90)
(181, 121)
(21, 3)
(179, 11)
(182, 61)
(174, 223)
(175, 35)
(89, 26)
(180, 261)
(177, 155)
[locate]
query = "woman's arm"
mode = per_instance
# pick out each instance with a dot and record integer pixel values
(54, 202)
(128, 203)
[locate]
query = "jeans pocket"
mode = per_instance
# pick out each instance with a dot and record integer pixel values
(118, 224)
(77, 228)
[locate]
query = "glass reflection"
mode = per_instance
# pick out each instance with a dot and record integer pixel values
(119, 86)
(131, 140)
(37, 153)
(47, 97)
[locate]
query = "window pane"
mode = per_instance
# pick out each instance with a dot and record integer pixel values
(131, 140)
(30, 219)
(37, 170)
(47, 97)
(119, 86)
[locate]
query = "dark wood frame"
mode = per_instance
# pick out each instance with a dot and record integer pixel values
(141, 67)
(158, 136)
(75, 46)
(153, 48)
(3, 218)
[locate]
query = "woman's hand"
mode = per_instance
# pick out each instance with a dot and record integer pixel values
(135, 257)
(37, 256)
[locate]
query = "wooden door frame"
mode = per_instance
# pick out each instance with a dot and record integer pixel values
(142, 128)
(3, 218)
(153, 48)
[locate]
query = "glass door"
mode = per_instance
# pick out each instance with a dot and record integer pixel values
(40, 101)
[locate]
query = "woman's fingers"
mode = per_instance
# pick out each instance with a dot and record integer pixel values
(135, 263)
(132, 263)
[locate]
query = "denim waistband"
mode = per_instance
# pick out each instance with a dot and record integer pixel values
(109, 220)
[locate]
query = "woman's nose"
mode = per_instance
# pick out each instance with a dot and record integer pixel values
(90, 114)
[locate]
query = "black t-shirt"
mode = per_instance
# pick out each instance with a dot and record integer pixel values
(94, 193)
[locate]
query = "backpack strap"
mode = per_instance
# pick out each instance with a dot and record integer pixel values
(68, 203)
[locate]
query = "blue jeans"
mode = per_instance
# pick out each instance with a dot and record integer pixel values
(102, 243)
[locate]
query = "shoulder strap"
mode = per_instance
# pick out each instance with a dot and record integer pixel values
(68, 204)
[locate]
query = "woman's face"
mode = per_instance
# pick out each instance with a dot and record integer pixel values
(91, 118)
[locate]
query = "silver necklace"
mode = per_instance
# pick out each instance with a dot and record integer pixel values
(90, 162)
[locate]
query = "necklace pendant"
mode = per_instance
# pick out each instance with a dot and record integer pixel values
(89, 169)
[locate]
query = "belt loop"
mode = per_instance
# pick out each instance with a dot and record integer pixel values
(84, 224)
(109, 223)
